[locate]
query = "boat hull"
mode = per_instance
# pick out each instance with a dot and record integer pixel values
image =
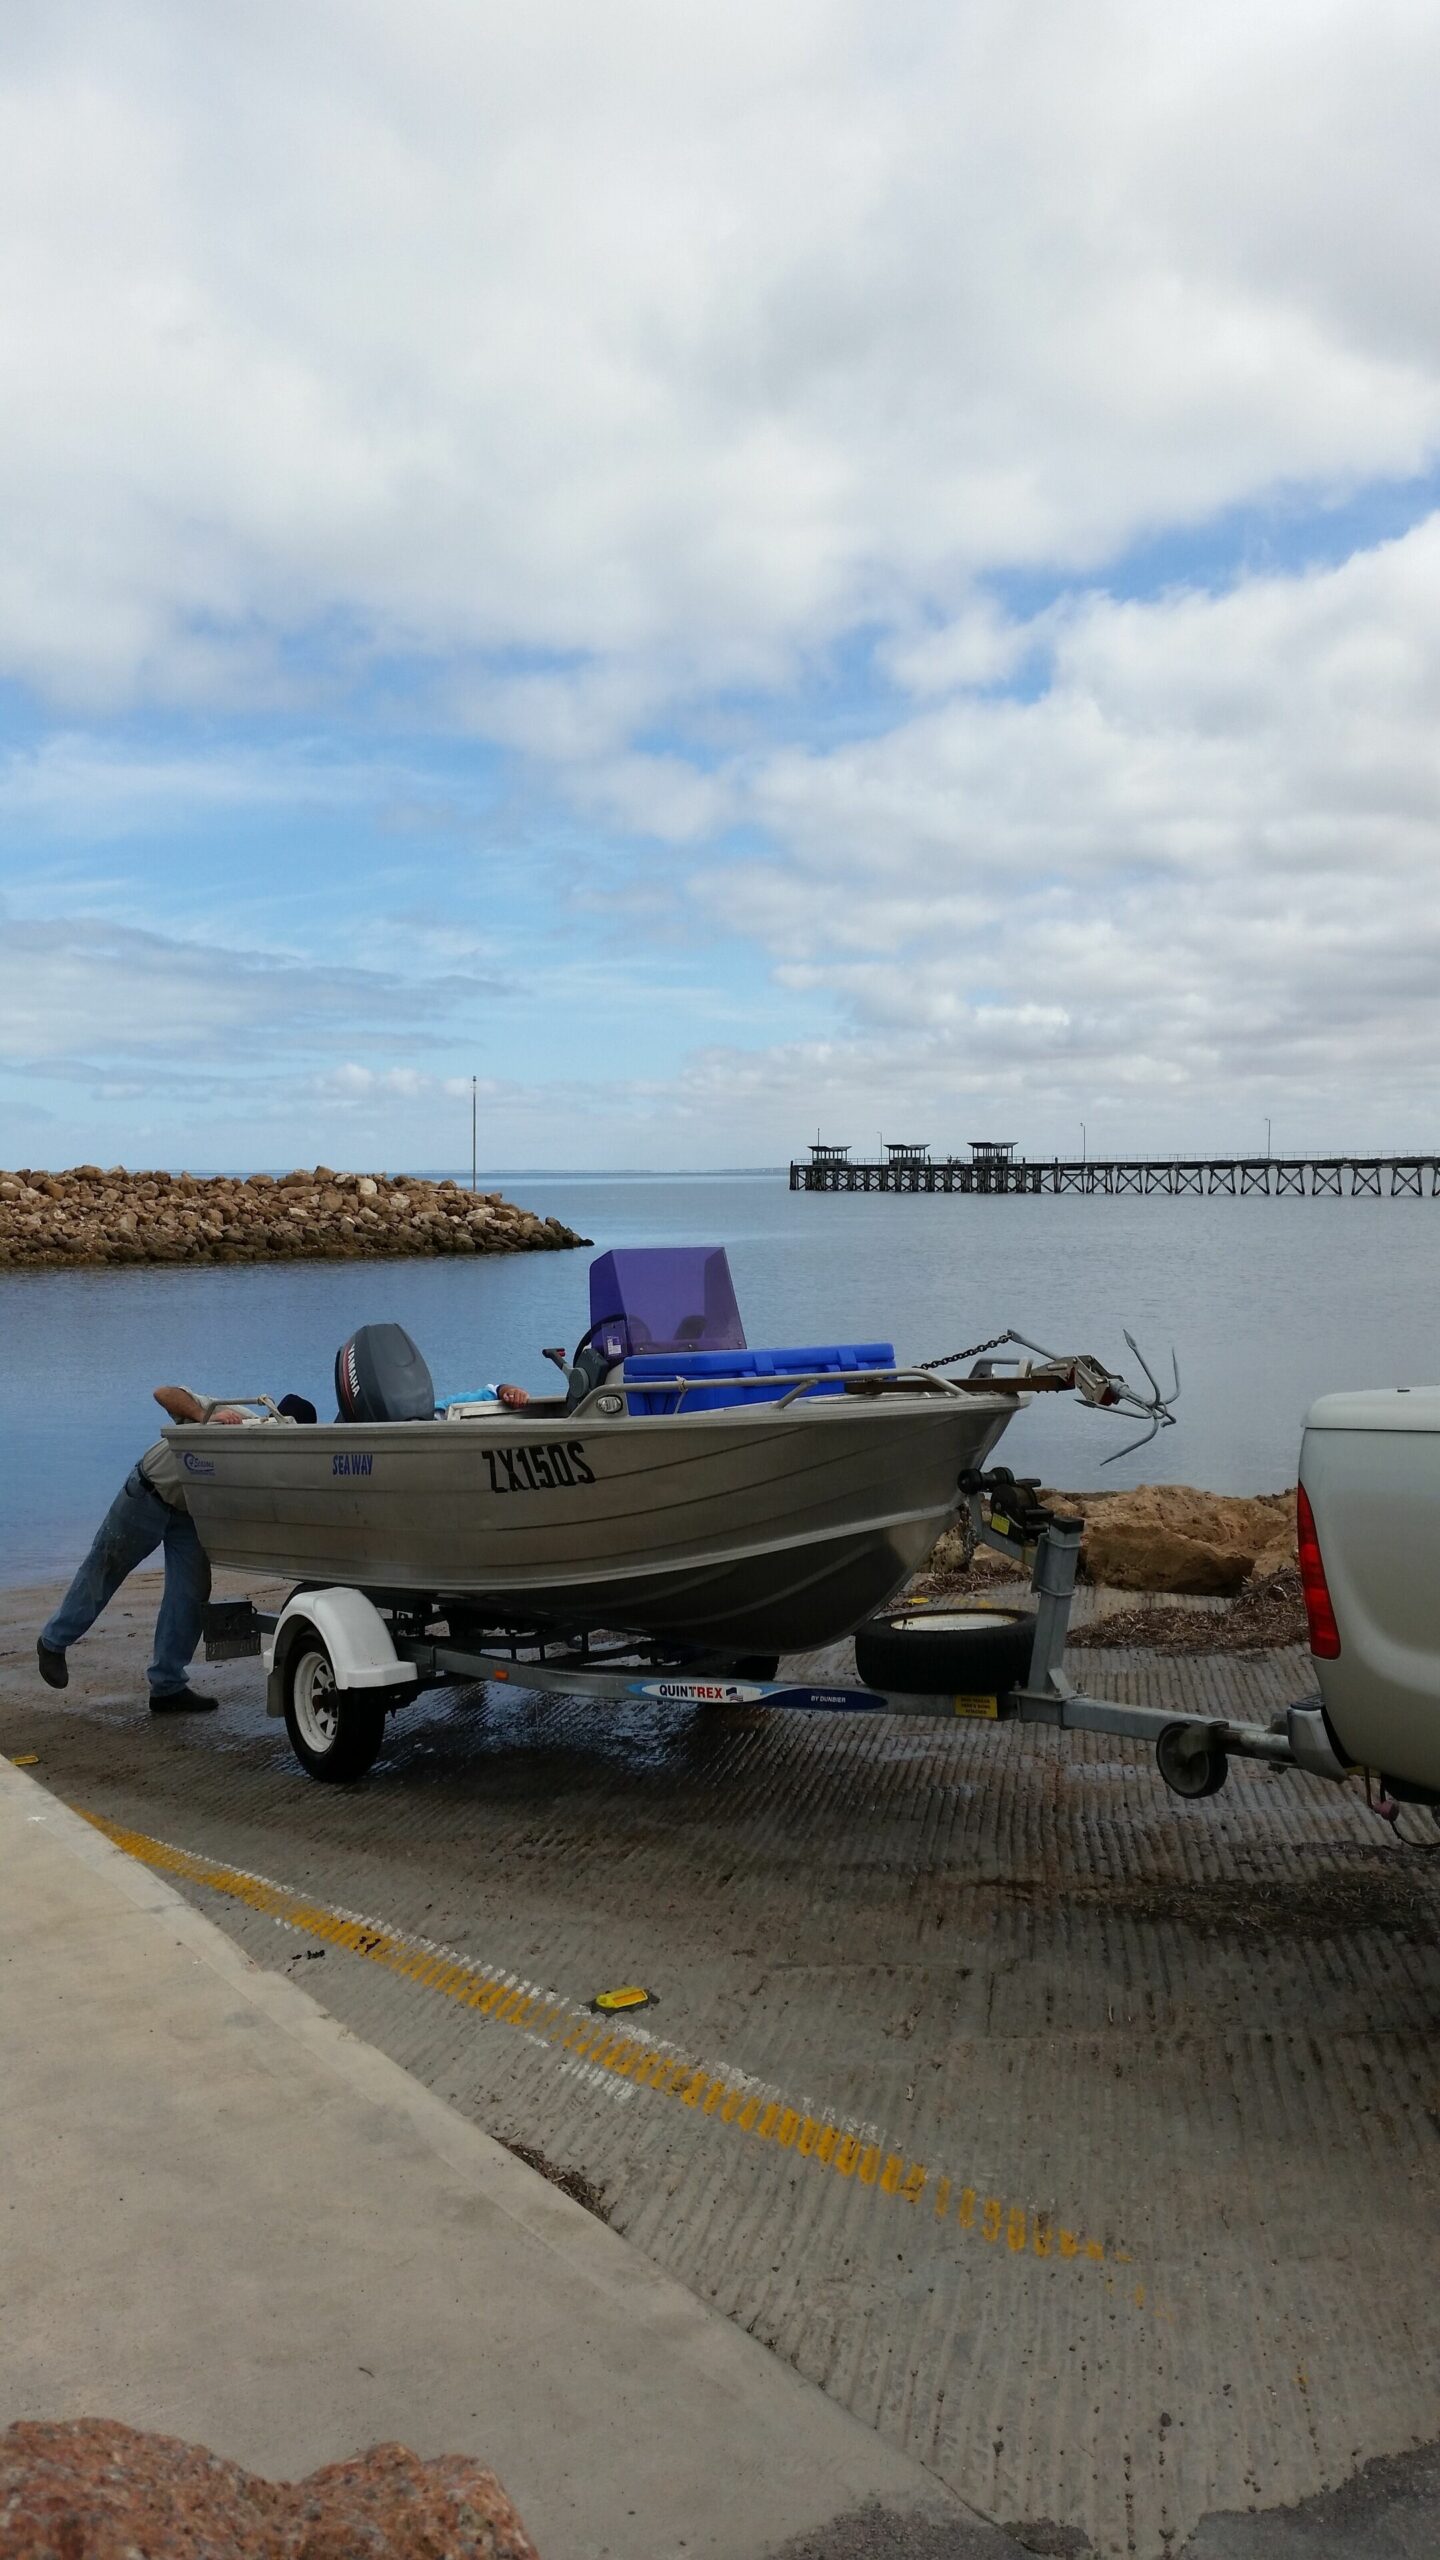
(757, 1530)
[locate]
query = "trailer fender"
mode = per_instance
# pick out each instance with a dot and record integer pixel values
(355, 1636)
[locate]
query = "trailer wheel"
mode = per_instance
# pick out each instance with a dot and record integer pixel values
(1192, 1760)
(967, 1646)
(335, 1733)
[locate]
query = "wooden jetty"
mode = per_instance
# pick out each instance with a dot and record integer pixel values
(992, 1166)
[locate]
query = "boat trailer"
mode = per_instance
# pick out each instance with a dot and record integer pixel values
(373, 1658)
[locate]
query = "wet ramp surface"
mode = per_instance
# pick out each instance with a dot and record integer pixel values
(1086, 2143)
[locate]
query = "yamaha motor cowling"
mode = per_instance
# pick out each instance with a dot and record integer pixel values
(380, 1376)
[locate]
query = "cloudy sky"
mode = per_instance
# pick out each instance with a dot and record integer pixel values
(720, 570)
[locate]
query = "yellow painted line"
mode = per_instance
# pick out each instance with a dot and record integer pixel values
(726, 2098)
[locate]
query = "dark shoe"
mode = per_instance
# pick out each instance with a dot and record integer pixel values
(181, 1702)
(54, 1669)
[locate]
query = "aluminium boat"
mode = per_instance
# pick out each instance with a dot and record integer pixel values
(685, 1488)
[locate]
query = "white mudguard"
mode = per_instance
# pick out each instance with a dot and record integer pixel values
(355, 1636)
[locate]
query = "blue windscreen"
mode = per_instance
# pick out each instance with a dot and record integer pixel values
(664, 1298)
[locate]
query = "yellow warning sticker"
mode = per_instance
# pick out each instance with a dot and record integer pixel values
(999, 1522)
(629, 1996)
(965, 1705)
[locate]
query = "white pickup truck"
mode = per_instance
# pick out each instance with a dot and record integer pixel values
(1369, 1534)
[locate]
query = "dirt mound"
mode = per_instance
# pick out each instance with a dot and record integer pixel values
(91, 2489)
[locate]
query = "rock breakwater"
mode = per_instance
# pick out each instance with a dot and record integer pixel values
(88, 1216)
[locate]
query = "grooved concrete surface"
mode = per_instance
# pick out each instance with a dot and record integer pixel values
(1139, 2101)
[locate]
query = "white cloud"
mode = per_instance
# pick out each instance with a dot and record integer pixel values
(979, 646)
(1207, 854)
(672, 341)
(85, 784)
(354, 1083)
(73, 989)
(1201, 865)
(626, 378)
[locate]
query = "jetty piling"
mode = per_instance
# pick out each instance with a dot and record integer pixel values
(992, 1168)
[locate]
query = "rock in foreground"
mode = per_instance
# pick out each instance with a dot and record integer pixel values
(1170, 1537)
(1158, 1537)
(85, 1216)
(94, 2490)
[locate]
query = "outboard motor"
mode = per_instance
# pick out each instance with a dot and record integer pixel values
(380, 1376)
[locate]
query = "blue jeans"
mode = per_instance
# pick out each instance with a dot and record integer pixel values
(136, 1523)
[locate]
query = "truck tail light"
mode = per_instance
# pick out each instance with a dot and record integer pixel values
(1319, 1610)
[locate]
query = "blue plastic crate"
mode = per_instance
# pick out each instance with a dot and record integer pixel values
(748, 1377)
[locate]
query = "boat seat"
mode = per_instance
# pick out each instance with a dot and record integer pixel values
(381, 1376)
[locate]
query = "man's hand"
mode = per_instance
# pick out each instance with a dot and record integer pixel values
(180, 1404)
(512, 1396)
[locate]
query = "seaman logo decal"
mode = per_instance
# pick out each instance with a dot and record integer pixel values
(197, 1466)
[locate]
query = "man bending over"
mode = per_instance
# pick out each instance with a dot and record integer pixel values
(148, 1512)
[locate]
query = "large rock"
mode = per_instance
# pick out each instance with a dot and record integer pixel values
(1138, 1557)
(1172, 1537)
(86, 1216)
(90, 2489)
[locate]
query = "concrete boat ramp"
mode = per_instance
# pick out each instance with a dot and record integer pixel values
(1081, 2145)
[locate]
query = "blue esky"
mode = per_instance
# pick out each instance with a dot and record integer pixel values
(718, 576)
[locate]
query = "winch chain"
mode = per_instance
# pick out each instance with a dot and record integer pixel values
(994, 1344)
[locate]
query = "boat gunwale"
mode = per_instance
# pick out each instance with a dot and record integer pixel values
(765, 1415)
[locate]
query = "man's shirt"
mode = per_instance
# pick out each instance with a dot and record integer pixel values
(164, 1472)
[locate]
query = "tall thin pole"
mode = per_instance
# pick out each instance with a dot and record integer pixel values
(472, 1133)
(1267, 1141)
(1084, 1142)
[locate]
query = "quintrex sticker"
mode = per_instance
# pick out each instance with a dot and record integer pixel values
(197, 1466)
(705, 1693)
(533, 1466)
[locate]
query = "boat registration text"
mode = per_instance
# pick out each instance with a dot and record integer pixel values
(534, 1466)
(528, 1467)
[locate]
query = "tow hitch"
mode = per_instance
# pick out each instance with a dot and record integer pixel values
(1192, 1753)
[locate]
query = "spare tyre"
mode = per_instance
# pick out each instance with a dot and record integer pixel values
(964, 1646)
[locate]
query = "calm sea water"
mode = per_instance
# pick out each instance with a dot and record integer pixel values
(1267, 1303)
